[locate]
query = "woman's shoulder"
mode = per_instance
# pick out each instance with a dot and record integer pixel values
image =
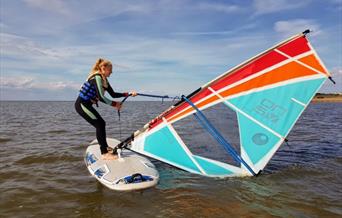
(94, 76)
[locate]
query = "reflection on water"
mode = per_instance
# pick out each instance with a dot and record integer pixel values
(42, 171)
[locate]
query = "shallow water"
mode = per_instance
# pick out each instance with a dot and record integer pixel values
(42, 172)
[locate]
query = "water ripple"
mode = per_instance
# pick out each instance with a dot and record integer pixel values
(42, 171)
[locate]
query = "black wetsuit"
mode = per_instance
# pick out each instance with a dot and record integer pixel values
(86, 110)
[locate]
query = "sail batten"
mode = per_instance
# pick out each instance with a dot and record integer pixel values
(267, 93)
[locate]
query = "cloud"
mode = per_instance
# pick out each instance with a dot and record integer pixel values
(329, 87)
(100, 10)
(19, 46)
(2, 25)
(227, 32)
(337, 4)
(272, 6)
(225, 8)
(59, 17)
(337, 72)
(290, 27)
(182, 43)
(25, 82)
(16, 82)
(137, 65)
(56, 6)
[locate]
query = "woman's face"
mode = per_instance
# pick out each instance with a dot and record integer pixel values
(106, 70)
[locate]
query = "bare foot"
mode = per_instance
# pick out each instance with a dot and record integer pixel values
(109, 156)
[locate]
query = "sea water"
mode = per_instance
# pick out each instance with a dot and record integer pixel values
(42, 172)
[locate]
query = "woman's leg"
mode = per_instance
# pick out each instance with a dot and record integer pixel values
(93, 117)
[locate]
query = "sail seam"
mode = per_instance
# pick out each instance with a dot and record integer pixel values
(274, 85)
(264, 71)
(169, 162)
(235, 170)
(319, 59)
(299, 62)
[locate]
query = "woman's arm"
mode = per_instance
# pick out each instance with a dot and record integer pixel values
(115, 94)
(100, 92)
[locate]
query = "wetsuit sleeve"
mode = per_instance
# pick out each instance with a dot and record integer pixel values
(100, 91)
(115, 94)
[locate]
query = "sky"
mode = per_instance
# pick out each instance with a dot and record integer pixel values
(157, 47)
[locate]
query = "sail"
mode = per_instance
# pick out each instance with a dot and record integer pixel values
(267, 94)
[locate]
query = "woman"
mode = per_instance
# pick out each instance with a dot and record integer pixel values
(91, 92)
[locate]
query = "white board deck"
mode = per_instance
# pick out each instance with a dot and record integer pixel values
(118, 174)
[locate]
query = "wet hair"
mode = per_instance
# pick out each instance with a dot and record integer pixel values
(96, 69)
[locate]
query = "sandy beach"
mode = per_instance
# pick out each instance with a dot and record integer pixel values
(336, 98)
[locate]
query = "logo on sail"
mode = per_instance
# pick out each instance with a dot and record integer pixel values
(270, 110)
(260, 139)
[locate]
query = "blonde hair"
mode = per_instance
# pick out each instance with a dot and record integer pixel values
(96, 70)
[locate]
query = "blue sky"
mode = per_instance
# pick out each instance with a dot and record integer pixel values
(161, 47)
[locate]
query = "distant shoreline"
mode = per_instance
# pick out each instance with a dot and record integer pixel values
(320, 97)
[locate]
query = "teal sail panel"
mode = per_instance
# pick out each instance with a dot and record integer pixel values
(265, 117)
(163, 144)
(211, 168)
(278, 107)
(255, 140)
